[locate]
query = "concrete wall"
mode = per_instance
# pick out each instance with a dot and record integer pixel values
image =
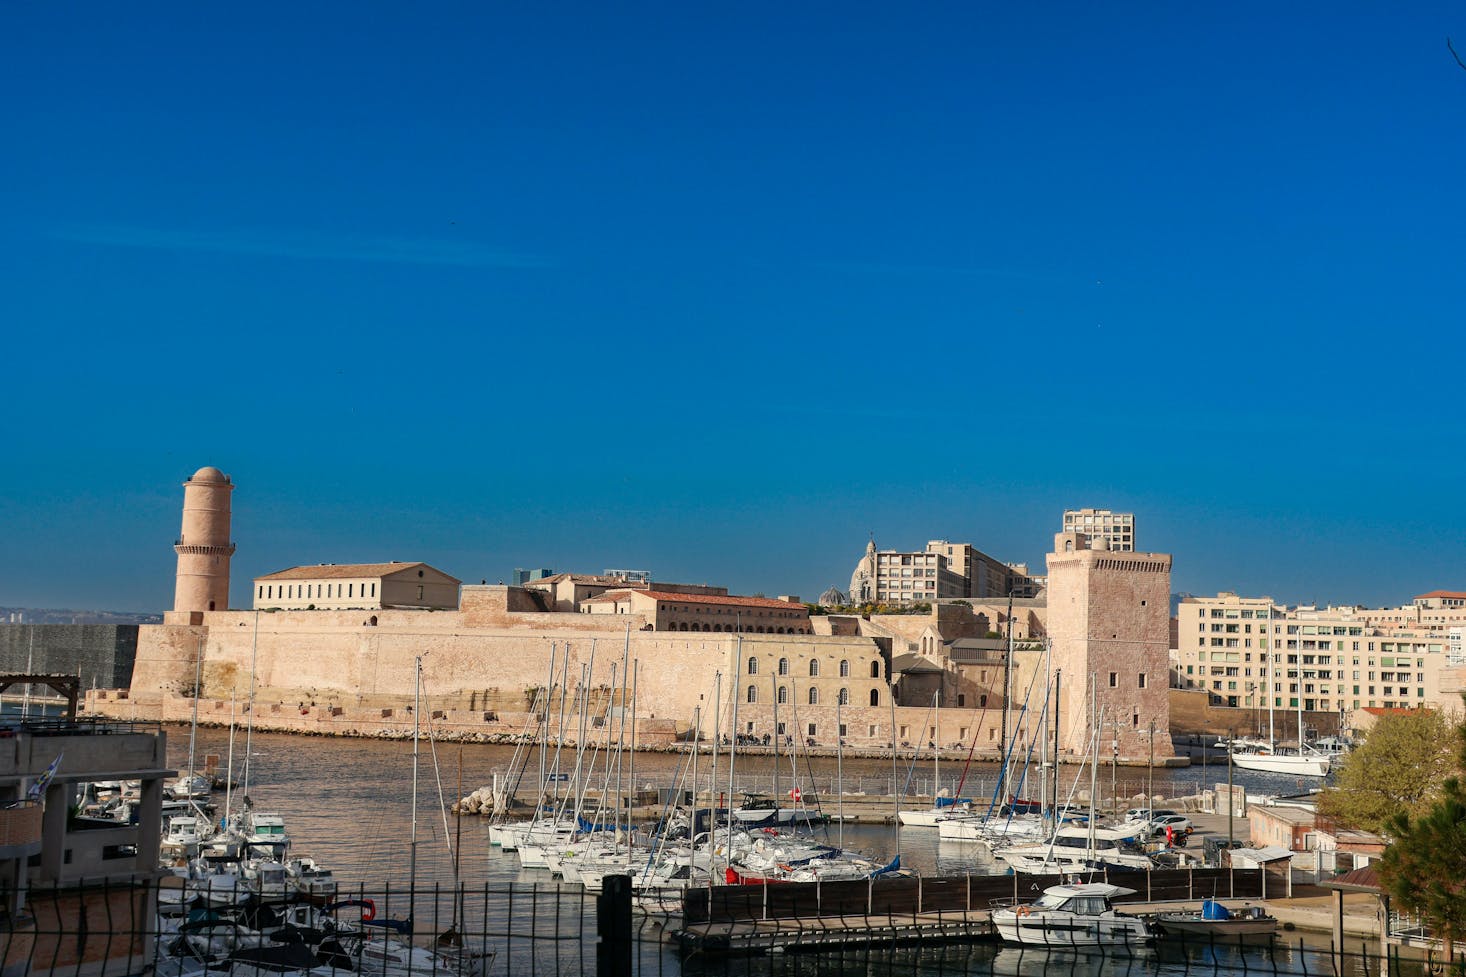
(103, 654)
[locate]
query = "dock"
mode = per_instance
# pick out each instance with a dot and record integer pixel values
(817, 933)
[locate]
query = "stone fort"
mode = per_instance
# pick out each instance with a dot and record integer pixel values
(333, 649)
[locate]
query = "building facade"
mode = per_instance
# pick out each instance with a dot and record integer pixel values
(1116, 528)
(668, 611)
(944, 570)
(357, 586)
(1249, 652)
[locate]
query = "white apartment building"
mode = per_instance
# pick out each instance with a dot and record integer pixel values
(1246, 651)
(1118, 528)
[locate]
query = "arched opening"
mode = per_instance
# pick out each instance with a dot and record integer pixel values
(783, 695)
(844, 697)
(875, 697)
(844, 668)
(752, 693)
(211, 605)
(814, 667)
(875, 669)
(814, 697)
(374, 620)
(783, 666)
(753, 666)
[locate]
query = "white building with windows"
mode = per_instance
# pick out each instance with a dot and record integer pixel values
(1249, 652)
(357, 586)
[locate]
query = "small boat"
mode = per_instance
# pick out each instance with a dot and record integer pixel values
(1217, 921)
(1072, 915)
(765, 812)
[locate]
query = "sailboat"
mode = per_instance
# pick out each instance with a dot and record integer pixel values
(1301, 762)
(942, 807)
(383, 946)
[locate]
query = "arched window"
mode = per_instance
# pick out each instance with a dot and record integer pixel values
(875, 697)
(814, 667)
(783, 695)
(753, 666)
(875, 669)
(783, 666)
(844, 697)
(752, 693)
(814, 696)
(844, 668)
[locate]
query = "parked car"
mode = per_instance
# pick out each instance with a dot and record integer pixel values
(1179, 825)
(1139, 814)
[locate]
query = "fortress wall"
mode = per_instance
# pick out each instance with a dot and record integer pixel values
(302, 658)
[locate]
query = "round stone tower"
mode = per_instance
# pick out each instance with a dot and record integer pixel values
(203, 546)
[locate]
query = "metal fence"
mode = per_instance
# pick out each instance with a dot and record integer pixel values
(914, 927)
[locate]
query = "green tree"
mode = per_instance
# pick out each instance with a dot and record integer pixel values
(1424, 868)
(1398, 769)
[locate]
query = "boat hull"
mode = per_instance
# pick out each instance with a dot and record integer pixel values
(1302, 766)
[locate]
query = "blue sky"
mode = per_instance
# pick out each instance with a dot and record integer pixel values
(718, 292)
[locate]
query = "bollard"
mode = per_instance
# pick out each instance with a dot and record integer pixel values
(613, 926)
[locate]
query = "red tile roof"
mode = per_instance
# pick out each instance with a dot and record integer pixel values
(341, 571)
(663, 596)
(1456, 594)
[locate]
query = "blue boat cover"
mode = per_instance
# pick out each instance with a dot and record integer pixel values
(1211, 909)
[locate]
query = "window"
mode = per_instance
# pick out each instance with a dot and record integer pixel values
(844, 668)
(875, 669)
(783, 666)
(1114, 680)
(1141, 680)
(814, 696)
(844, 697)
(752, 693)
(814, 667)
(783, 695)
(753, 666)
(875, 697)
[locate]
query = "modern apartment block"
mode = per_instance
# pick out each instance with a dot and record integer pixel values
(943, 570)
(1249, 651)
(1117, 528)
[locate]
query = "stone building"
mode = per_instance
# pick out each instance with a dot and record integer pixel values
(1109, 624)
(716, 613)
(203, 547)
(359, 586)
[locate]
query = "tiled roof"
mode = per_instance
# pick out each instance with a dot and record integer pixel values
(1454, 594)
(663, 596)
(341, 571)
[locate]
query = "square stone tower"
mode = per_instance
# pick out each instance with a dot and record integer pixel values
(1109, 619)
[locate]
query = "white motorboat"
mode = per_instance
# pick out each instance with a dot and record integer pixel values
(1077, 848)
(1072, 915)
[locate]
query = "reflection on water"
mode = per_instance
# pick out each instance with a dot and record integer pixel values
(348, 803)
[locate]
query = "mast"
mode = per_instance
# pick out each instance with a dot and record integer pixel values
(631, 757)
(936, 746)
(1094, 742)
(416, 721)
(733, 747)
(696, 729)
(1058, 675)
(229, 764)
(545, 734)
(1007, 682)
(1273, 655)
(249, 721)
(839, 772)
(774, 679)
(193, 731)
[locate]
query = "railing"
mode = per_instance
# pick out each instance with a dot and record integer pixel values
(912, 927)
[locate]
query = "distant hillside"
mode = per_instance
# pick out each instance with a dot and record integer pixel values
(46, 615)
